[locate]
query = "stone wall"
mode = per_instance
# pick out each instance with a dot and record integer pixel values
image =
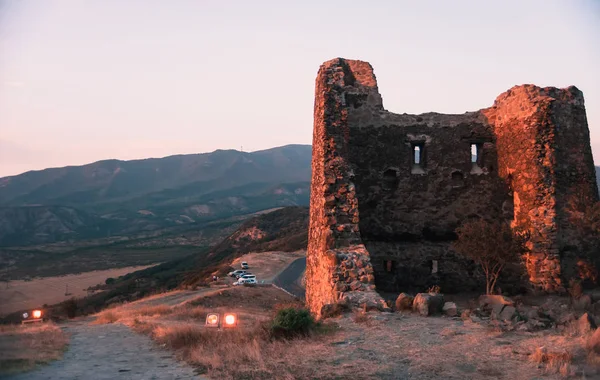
(372, 204)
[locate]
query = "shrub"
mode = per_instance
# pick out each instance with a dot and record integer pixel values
(70, 307)
(290, 322)
(490, 244)
(109, 281)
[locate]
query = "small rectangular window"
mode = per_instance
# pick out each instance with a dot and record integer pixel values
(474, 153)
(418, 158)
(417, 155)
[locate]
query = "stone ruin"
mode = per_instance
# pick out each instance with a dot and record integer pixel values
(389, 190)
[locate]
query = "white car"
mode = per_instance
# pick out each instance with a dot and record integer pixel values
(242, 274)
(244, 265)
(236, 273)
(246, 279)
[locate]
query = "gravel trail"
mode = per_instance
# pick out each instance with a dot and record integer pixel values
(110, 351)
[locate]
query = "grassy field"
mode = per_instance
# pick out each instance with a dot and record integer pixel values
(19, 295)
(22, 347)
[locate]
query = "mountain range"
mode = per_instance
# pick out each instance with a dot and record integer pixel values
(112, 198)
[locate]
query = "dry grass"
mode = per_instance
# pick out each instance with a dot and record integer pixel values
(127, 313)
(247, 353)
(555, 362)
(361, 317)
(22, 347)
(51, 290)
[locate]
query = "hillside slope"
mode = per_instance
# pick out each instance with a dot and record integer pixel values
(282, 230)
(114, 198)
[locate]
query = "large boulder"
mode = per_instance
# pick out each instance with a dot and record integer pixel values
(507, 313)
(582, 303)
(450, 309)
(593, 343)
(585, 324)
(404, 301)
(428, 303)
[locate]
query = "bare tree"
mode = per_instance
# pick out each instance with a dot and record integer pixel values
(490, 244)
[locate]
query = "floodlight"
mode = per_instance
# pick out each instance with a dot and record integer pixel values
(230, 320)
(37, 314)
(212, 320)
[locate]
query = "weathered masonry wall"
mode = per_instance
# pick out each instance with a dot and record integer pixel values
(389, 190)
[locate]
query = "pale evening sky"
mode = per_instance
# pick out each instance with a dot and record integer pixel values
(86, 80)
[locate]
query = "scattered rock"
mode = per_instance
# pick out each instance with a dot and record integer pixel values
(585, 324)
(404, 301)
(566, 319)
(507, 313)
(593, 343)
(466, 314)
(428, 303)
(594, 295)
(583, 303)
(450, 309)
(490, 300)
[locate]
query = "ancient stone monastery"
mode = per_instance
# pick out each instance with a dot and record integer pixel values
(389, 190)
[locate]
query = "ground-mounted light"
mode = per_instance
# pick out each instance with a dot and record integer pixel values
(230, 320)
(25, 315)
(212, 320)
(36, 314)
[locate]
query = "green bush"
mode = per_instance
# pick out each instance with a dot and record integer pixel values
(109, 281)
(291, 322)
(70, 307)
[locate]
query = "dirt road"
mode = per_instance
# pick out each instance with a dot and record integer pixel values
(110, 351)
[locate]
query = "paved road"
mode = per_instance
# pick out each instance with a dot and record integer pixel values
(290, 277)
(110, 351)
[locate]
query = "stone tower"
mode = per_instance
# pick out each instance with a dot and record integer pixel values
(389, 190)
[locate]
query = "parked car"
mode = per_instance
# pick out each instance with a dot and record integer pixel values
(245, 265)
(242, 274)
(236, 273)
(247, 279)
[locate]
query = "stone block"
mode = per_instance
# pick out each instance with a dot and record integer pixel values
(450, 309)
(428, 303)
(404, 301)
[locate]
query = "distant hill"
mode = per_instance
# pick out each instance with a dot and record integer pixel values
(285, 229)
(112, 197)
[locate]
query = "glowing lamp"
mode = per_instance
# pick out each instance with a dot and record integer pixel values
(37, 314)
(212, 320)
(230, 320)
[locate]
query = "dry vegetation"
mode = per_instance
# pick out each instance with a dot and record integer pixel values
(22, 347)
(368, 345)
(19, 295)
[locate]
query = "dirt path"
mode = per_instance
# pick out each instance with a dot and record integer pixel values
(110, 351)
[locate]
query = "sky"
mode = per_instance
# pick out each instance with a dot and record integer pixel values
(86, 80)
